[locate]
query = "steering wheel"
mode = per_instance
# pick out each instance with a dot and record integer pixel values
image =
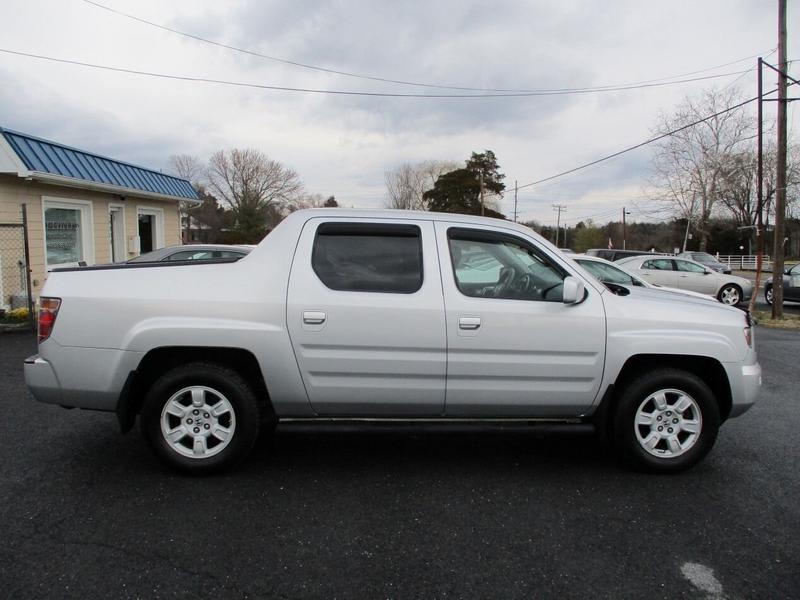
(523, 284)
(506, 278)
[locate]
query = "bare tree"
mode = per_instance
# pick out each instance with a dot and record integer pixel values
(258, 190)
(188, 167)
(406, 185)
(690, 164)
(737, 189)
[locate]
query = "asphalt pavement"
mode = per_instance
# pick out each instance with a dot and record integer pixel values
(398, 513)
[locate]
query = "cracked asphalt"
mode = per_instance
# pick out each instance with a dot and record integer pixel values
(398, 512)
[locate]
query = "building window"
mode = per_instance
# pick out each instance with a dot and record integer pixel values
(67, 233)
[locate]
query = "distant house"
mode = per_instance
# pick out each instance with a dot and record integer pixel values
(81, 207)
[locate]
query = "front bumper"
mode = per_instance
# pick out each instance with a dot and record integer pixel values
(745, 387)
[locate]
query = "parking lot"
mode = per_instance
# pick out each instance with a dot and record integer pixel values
(398, 513)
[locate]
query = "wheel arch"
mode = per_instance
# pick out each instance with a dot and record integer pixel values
(708, 369)
(158, 361)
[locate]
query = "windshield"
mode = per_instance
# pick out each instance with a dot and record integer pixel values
(608, 273)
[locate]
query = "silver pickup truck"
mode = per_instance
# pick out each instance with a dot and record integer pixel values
(389, 315)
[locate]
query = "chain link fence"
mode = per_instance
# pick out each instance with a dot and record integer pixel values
(16, 302)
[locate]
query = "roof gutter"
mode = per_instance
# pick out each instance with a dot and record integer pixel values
(100, 187)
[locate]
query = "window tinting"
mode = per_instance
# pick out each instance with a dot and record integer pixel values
(489, 265)
(366, 257)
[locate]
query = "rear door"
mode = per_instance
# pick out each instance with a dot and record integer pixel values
(514, 348)
(366, 317)
(659, 271)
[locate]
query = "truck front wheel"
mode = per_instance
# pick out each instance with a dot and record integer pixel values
(200, 418)
(666, 421)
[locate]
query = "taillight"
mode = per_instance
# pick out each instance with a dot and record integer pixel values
(48, 311)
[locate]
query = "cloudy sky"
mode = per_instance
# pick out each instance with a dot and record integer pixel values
(342, 144)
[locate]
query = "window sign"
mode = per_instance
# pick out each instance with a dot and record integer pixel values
(63, 235)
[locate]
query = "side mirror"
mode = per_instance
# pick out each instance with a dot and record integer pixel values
(787, 270)
(707, 272)
(573, 290)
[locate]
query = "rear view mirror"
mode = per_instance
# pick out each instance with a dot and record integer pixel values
(573, 290)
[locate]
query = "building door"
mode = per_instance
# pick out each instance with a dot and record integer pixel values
(146, 233)
(117, 233)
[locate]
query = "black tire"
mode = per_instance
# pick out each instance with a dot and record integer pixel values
(730, 288)
(634, 395)
(220, 380)
(768, 294)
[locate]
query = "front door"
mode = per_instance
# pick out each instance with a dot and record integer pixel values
(366, 317)
(514, 348)
(695, 278)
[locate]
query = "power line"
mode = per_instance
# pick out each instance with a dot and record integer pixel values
(389, 80)
(644, 143)
(347, 92)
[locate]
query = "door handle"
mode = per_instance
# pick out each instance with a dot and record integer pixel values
(469, 322)
(314, 317)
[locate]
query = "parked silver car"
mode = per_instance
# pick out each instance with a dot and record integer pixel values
(193, 252)
(707, 260)
(688, 275)
(610, 272)
(791, 285)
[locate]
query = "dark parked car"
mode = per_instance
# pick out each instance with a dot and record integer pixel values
(615, 254)
(791, 285)
(707, 260)
(193, 252)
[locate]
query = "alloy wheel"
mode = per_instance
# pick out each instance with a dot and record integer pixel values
(198, 422)
(668, 423)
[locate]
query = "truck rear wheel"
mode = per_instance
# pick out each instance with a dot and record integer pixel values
(666, 421)
(200, 418)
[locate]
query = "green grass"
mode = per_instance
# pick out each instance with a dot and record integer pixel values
(765, 319)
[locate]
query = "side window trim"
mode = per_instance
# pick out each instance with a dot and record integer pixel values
(347, 228)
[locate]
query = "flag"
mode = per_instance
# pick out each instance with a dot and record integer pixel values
(610, 244)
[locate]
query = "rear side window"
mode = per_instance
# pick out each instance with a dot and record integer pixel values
(659, 264)
(367, 257)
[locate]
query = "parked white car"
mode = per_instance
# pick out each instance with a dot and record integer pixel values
(686, 274)
(610, 272)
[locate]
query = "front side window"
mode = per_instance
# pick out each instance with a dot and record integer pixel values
(688, 267)
(366, 257)
(658, 264)
(489, 265)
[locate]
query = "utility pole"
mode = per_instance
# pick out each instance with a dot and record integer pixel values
(780, 180)
(624, 228)
(482, 210)
(515, 201)
(759, 188)
(559, 208)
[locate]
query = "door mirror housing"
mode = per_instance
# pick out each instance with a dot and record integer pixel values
(573, 290)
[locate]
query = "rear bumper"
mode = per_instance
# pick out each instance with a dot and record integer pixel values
(91, 378)
(41, 380)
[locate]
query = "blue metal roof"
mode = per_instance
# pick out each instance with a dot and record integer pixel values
(44, 156)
